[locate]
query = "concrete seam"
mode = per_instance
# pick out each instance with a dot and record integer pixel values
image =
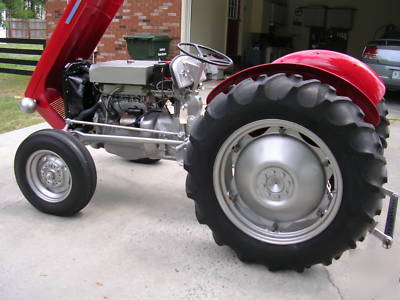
(328, 275)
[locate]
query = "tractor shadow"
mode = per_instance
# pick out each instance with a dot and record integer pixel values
(155, 189)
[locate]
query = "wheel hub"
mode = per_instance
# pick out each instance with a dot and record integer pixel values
(52, 172)
(277, 181)
(274, 183)
(49, 176)
(280, 178)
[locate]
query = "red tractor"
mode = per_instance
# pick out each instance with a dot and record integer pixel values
(285, 165)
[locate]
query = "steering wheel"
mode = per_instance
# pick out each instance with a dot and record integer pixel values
(219, 59)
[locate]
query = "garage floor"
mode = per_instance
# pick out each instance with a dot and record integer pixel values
(139, 239)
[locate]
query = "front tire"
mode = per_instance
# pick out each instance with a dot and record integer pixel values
(285, 172)
(55, 172)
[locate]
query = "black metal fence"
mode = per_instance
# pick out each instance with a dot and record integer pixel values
(19, 55)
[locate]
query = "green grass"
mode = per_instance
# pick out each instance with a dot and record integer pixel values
(12, 89)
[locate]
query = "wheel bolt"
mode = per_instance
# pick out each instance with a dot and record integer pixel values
(232, 196)
(326, 162)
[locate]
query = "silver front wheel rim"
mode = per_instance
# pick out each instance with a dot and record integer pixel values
(278, 182)
(48, 176)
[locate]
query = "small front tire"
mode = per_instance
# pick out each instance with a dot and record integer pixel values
(55, 172)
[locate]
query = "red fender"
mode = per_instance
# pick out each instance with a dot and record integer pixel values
(76, 36)
(349, 76)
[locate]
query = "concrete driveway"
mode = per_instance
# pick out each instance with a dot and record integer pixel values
(139, 239)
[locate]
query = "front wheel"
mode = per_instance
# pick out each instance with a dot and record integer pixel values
(55, 172)
(285, 172)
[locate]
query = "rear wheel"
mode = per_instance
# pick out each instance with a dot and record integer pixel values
(55, 172)
(285, 172)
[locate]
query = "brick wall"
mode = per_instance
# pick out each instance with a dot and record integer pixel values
(135, 16)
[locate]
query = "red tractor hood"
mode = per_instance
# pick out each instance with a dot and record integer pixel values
(76, 36)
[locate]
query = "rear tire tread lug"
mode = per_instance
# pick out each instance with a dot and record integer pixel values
(352, 244)
(327, 262)
(218, 240)
(244, 258)
(382, 129)
(199, 216)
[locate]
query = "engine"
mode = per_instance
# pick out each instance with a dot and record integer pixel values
(125, 105)
(133, 94)
(122, 105)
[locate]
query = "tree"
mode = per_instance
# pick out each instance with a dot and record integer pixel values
(21, 9)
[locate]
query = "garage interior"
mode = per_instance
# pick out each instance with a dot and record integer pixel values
(259, 31)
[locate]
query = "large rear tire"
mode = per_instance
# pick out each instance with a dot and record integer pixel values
(55, 172)
(382, 129)
(285, 172)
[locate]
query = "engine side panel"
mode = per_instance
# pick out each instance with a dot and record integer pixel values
(78, 92)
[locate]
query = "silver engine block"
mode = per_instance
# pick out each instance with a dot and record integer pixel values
(130, 98)
(139, 110)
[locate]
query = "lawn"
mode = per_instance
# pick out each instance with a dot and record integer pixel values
(12, 89)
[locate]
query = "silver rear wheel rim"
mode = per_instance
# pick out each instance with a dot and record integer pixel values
(270, 198)
(48, 176)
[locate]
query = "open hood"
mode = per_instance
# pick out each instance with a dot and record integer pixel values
(76, 36)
